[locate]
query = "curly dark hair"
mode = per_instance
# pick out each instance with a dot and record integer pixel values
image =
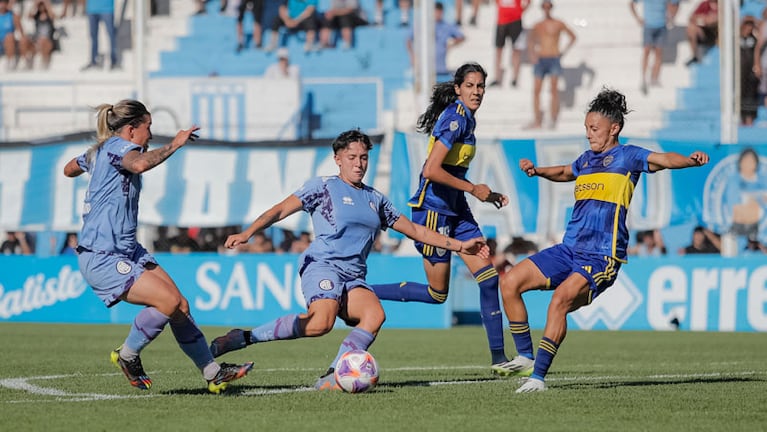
(611, 104)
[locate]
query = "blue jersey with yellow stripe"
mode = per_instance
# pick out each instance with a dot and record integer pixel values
(604, 186)
(455, 129)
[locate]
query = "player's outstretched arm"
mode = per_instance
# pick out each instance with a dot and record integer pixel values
(283, 209)
(422, 234)
(559, 173)
(673, 160)
(138, 163)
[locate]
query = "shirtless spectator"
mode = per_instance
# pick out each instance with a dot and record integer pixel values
(703, 28)
(544, 53)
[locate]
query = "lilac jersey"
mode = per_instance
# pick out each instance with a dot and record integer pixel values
(110, 212)
(346, 221)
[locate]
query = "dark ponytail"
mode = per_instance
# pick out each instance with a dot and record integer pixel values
(443, 95)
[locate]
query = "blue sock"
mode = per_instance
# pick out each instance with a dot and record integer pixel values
(547, 349)
(191, 340)
(283, 328)
(358, 339)
(147, 325)
(490, 311)
(520, 331)
(409, 291)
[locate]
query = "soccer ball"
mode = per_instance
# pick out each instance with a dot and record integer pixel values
(356, 371)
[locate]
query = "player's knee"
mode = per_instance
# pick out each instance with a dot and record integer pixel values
(318, 326)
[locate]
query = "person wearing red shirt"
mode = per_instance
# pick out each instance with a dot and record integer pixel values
(509, 26)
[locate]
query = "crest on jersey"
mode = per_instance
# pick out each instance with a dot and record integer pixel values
(348, 200)
(453, 125)
(372, 205)
(326, 284)
(607, 160)
(124, 267)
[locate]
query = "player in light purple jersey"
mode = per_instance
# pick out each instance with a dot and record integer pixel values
(115, 265)
(347, 215)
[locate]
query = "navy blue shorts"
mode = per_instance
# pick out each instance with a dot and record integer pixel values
(559, 261)
(461, 227)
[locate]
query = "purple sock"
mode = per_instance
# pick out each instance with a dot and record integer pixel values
(191, 340)
(283, 328)
(146, 326)
(358, 339)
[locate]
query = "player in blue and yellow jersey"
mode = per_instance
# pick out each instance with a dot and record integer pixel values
(588, 260)
(347, 215)
(440, 203)
(111, 259)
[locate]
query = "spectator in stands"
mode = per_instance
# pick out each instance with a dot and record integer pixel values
(704, 241)
(296, 15)
(42, 40)
(70, 244)
(162, 243)
(746, 196)
(68, 3)
(509, 26)
(282, 69)
(649, 243)
(343, 15)
(544, 53)
(183, 242)
(702, 29)
(102, 11)
(459, 12)
(16, 243)
(447, 36)
(749, 80)
(257, 9)
(301, 243)
(10, 26)
(760, 58)
(260, 244)
(657, 16)
(404, 12)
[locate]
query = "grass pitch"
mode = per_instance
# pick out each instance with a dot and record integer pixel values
(58, 378)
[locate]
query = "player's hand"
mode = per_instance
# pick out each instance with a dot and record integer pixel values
(476, 246)
(481, 192)
(235, 240)
(497, 199)
(699, 158)
(185, 135)
(527, 166)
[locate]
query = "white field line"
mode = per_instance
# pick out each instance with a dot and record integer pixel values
(24, 384)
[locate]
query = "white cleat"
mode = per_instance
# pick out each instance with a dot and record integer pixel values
(532, 385)
(518, 366)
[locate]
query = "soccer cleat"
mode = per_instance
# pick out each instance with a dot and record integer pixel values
(133, 370)
(327, 382)
(518, 366)
(532, 385)
(228, 373)
(232, 341)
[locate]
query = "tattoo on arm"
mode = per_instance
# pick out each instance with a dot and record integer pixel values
(157, 156)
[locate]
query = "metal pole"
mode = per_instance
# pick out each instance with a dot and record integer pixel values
(424, 51)
(139, 57)
(729, 70)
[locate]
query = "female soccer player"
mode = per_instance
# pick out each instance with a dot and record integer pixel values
(440, 204)
(587, 261)
(347, 215)
(112, 261)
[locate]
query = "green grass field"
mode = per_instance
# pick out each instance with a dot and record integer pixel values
(58, 377)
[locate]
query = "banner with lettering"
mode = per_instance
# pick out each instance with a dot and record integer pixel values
(710, 195)
(213, 185)
(701, 293)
